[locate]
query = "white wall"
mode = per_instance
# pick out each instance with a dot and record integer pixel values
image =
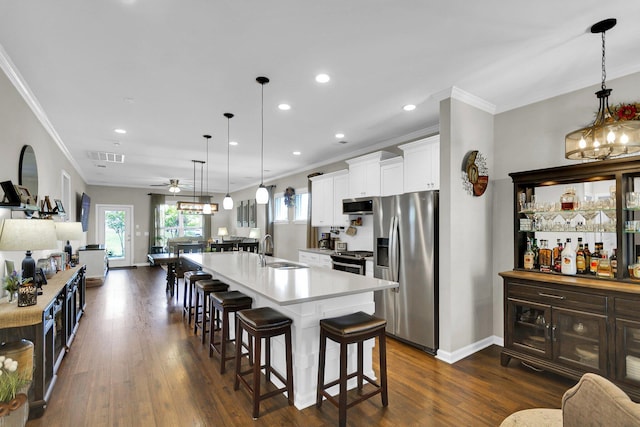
(19, 127)
(466, 300)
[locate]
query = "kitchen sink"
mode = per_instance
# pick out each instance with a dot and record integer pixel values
(283, 265)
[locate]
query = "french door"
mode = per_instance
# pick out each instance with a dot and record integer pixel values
(114, 232)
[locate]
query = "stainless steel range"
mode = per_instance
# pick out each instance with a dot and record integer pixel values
(351, 261)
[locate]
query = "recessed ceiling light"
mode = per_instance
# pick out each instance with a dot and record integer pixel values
(409, 107)
(117, 144)
(296, 153)
(339, 135)
(323, 78)
(284, 107)
(120, 131)
(233, 143)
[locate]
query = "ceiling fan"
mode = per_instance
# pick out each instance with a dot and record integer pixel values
(173, 185)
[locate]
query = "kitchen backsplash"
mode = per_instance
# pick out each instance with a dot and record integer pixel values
(362, 240)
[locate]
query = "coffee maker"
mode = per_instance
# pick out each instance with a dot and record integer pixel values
(325, 241)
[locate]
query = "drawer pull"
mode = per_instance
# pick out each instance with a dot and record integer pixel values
(542, 294)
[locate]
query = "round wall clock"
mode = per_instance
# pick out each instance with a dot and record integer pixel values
(475, 174)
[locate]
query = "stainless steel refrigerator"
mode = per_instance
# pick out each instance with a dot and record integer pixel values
(406, 251)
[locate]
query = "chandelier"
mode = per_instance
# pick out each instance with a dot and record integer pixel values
(608, 136)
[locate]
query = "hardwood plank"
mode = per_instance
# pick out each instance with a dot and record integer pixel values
(134, 362)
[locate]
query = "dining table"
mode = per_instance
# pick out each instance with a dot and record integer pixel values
(171, 261)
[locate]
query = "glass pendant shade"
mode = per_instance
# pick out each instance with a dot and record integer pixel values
(227, 203)
(262, 195)
(609, 135)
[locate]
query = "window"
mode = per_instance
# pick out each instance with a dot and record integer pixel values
(301, 209)
(280, 211)
(175, 223)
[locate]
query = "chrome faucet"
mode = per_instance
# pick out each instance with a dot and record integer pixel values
(263, 249)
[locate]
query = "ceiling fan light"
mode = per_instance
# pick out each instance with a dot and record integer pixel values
(227, 203)
(174, 189)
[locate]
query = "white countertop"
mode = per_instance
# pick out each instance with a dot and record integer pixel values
(285, 286)
(320, 251)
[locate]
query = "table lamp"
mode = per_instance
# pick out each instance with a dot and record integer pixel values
(67, 231)
(28, 235)
(222, 231)
(254, 233)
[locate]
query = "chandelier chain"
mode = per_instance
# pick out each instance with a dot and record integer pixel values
(604, 70)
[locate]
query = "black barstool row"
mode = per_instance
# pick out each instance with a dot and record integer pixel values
(266, 323)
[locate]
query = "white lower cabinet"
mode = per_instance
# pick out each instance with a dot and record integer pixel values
(315, 259)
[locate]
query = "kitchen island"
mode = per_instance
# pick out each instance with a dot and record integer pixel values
(306, 295)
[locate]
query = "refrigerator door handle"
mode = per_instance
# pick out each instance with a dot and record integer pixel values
(394, 260)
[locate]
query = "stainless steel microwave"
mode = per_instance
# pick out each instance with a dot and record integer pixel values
(359, 206)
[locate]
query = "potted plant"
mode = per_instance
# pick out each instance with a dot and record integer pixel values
(11, 284)
(13, 387)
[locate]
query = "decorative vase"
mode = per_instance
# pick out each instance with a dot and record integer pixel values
(15, 412)
(11, 295)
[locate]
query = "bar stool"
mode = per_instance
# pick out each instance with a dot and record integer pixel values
(223, 304)
(263, 322)
(190, 278)
(344, 330)
(205, 287)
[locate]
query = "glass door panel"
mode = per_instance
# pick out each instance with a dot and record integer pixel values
(577, 337)
(628, 345)
(529, 323)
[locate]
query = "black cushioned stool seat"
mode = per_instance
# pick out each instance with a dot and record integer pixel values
(221, 305)
(263, 322)
(190, 278)
(344, 330)
(205, 287)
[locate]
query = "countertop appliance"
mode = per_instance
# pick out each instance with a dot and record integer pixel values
(325, 241)
(351, 261)
(405, 229)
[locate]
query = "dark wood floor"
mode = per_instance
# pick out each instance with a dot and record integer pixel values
(135, 363)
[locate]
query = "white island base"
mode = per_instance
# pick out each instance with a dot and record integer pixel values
(305, 295)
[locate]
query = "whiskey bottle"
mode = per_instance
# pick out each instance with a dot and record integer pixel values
(595, 258)
(545, 257)
(528, 257)
(587, 258)
(568, 259)
(581, 262)
(614, 263)
(557, 260)
(536, 254)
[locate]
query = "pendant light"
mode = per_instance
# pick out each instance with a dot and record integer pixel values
(262, 195)
(206, 207)
(227, 203)
(608, 136)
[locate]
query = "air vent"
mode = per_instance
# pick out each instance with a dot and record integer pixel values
(103, 156)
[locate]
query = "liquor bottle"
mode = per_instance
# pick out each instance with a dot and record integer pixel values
(568, 259)
(595, 258)
(614, 263)
(587, 258)
(545, 257)
(557, 249)
(581, 262)
(536, 254)
(528, 256)
(557, 261)
(568, 199)
(604, 265)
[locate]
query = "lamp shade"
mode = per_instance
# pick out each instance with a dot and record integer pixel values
(69, 230)
(254, 233)
(222, 231)
(28, 234)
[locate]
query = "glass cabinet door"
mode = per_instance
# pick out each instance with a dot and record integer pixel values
(579, 339)
(628, 351)
(529, 325)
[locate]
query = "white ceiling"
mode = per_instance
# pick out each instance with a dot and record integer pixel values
(167, 70)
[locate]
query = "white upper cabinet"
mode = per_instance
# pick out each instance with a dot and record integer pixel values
(364, 174)
(392, 176)
(327, 192)
(422, 164)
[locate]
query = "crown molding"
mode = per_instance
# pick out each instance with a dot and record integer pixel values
(23, 89)
(466, 97)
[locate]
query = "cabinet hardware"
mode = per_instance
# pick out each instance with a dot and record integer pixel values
(542, 294)
(553, 333)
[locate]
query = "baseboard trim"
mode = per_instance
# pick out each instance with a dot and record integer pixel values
(454, 356)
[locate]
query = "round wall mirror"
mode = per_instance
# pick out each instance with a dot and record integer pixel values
(28, 170)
